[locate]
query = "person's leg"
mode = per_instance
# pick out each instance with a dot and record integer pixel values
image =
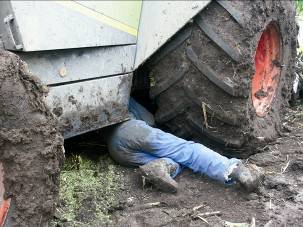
(192, 155)
(202, 159)
(123, 144)
(136, 143)
(143, 140)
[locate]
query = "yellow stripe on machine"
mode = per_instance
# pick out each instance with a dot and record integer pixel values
(98, 16)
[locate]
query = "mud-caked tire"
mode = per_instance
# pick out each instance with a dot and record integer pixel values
(31, 147)
(204, 80)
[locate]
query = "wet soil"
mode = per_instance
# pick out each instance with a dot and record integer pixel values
(31, 148)
(277, 203)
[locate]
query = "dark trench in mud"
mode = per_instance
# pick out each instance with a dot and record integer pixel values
(95, 191)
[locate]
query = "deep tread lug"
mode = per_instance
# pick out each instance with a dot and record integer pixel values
(227, 85)
(217, 39)
(237, 15)
(155, 91)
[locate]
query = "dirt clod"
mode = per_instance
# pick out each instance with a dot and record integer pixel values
(31, 148)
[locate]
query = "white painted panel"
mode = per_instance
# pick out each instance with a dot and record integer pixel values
(159, 21)
(49, 25)
(60, 66)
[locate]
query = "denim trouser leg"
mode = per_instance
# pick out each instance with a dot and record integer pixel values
(136, 143)
(123, 146)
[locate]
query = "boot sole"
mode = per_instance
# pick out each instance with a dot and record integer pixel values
(164, 184)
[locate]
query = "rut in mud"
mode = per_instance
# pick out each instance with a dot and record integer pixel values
(31, 147)
(106, 194)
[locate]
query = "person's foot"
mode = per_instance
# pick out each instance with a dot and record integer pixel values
(157, 173)
(249, 176)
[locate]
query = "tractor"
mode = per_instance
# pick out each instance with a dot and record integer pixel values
(218, 72)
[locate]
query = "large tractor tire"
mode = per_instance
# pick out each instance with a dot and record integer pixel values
(31, 148)
(226, 77)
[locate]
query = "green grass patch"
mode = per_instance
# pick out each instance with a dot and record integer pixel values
(299, 7)
(88, 189)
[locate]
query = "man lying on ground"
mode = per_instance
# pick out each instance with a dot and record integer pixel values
(161, 156)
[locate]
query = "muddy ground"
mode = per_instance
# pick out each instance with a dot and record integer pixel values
(97, 192)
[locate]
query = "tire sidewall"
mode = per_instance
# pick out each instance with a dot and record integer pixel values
(265, 129)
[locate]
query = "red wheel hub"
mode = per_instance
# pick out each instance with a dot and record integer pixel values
(4, 204)
(267, 70)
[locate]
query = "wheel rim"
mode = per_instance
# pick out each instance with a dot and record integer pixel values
(4, 204)
(267, 70)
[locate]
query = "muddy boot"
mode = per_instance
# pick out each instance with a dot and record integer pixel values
(158, 173)
(249, 176)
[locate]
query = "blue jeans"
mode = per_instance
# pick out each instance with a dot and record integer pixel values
(135, 143)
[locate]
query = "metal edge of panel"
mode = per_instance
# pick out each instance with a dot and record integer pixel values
(50, 25)
(86, 106)
(66, 66)
(9, 29)
(171, 15)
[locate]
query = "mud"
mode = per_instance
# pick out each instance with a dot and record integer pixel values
(279, 202)
(79, 113)
(282, 191)
(31, 149)
(282, 13)
(215, 66)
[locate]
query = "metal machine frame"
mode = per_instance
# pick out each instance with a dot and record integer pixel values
(86, 51)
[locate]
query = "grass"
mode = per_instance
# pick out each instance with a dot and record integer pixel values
(88, 189)
(299, 7)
